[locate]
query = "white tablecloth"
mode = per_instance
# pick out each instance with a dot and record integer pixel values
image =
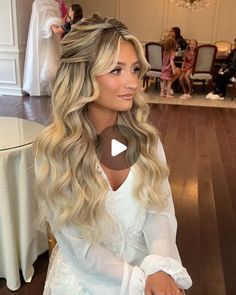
(20, 241)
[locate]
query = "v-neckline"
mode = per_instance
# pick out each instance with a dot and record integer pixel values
(109, 184)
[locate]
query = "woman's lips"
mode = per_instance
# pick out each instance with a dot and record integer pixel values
(127, 96)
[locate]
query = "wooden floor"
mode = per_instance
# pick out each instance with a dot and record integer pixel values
(200, 145)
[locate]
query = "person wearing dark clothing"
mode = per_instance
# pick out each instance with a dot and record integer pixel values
(75, 14)
(181, 43)
(227, 71)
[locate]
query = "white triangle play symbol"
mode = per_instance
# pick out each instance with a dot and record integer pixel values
(117, 147)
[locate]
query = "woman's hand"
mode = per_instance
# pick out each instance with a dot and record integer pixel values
(160, 283)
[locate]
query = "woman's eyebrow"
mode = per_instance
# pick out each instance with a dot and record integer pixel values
(123, 63)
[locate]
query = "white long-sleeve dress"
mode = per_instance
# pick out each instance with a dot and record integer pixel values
(43, 48)
(144, 243)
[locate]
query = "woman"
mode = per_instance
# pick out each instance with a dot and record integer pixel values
(115, 229)
(75, 14)
(181, 43)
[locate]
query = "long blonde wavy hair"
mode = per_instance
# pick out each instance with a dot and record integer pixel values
(70, 188)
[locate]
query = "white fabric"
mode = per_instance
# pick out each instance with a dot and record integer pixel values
(154, 74)
(113, 267)
(20, 242)
(154, 263)
(201, 76)
(43, 48)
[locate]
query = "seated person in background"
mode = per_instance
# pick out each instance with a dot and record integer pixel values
(181, 43)
(187, 67)
(169, 72)
(75, 14)
(227, 71)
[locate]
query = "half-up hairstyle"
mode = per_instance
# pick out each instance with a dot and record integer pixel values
(70, 186)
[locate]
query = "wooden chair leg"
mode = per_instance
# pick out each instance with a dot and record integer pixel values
(156, 80)
(203, 86)
(146, 82)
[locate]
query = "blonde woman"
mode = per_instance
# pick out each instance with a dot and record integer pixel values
(115, 229)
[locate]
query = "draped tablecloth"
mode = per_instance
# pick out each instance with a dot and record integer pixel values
(20, 241)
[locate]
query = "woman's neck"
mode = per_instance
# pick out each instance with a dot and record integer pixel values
(101, 118)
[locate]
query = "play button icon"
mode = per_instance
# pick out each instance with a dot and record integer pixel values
(118, 147)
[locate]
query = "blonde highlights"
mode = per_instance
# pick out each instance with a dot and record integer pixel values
(70, 187)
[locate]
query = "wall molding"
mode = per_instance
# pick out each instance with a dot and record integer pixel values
(15, 16)
(10, 65)
(11, 28)
(11, 91)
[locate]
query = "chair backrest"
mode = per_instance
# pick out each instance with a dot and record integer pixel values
(223, 47)
(153, 52)
(205, 57)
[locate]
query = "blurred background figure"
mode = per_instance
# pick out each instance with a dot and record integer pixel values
(63, 9)
(43, 48)
(75, 14)
(187, 67)
(169, 72)
(225, 75)
(181, 43)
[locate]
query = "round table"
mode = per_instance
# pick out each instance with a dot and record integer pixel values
(16, 132)
(20, 241)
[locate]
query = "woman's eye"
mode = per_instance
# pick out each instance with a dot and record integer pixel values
(137, 70)
(116, 71)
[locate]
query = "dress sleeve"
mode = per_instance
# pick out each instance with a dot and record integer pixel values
(98, 270)
(46, 31)
(160, 235)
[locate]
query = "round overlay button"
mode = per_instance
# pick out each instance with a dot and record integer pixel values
(118, 147)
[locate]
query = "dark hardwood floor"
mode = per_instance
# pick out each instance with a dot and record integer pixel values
(200, 145)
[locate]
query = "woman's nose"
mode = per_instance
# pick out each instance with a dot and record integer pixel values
(131, 81)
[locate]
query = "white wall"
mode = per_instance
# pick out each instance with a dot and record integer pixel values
(14, 23)
(148, 19)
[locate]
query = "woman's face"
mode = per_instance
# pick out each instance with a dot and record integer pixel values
(117, 88)
(71, 13)
(172, 34)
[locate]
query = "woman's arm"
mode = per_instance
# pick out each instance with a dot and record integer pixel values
(57, 29)
(160, 234)
(98, 270)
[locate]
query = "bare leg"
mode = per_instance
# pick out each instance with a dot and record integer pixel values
(181, 81)
(176, 76)
(188, 81)
(169, 83)
(163, 85)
